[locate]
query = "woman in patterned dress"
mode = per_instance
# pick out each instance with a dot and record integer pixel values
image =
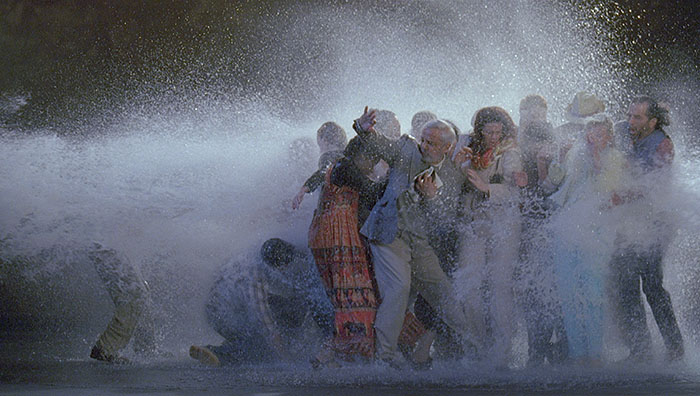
(341, 253)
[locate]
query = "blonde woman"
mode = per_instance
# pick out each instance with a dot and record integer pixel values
(583, 224)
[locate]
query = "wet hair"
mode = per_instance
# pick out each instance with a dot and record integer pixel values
(488, 115)
(333, 134)
(278, 253)
(419, 119)
(454, 128)
(603, 120)
(388, 124)
(357, 146)
(447, 133)
(655, 110)
(531, 101)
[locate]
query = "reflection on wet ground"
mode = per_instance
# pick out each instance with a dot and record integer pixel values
(89, 378)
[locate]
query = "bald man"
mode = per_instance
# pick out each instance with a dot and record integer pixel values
(422, 182)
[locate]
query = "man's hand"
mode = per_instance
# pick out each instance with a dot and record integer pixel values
(367, 120)
(476, 181)
(463, 155)
(520, 178)
(544, 158)
(545, 153)
(425, 184)
(616, 199)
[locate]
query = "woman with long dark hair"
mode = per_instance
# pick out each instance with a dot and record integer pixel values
(341, 253)
(489, 251)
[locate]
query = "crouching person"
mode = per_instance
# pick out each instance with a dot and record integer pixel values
(265, 306)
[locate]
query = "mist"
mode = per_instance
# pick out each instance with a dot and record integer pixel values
(181, 171)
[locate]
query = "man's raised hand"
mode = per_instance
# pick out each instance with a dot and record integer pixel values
(366, 122)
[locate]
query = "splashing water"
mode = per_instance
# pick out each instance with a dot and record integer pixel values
(181, 187)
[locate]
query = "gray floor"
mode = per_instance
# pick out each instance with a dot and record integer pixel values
(180, 378)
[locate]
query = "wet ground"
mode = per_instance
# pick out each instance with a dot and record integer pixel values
(185, 378)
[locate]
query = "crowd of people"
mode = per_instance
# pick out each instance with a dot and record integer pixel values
(439, 243)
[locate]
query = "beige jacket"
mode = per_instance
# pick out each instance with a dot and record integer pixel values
(503, 193)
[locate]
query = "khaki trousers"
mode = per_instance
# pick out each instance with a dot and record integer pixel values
(128, 292)
(408, 266)
(489, 255)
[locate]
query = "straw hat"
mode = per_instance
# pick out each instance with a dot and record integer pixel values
(583, 107)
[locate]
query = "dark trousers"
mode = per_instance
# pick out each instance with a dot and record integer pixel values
(546, 335)
(448, 343)
(628, 268)
(444, 241)
(538, 295)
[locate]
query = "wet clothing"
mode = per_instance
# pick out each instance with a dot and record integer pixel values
(130, 295)
(444, 237)
(342, 259)
(132, 319)
(628, 268)
(404, 261)
(345, 174)
(346, 269)
(580, 284)
(640, 258)
(324, 162)
(489, 251)
(537, 290)
(265, 312)
(539, 295)
(584, 246)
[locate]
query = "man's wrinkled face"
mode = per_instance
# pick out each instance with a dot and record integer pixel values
(640, 124)
(432, 146)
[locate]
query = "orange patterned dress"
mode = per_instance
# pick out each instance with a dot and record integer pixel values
(343, 262)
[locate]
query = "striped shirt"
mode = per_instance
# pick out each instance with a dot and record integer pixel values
(252, 301)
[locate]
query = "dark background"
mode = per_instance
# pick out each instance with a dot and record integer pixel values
(75, 59)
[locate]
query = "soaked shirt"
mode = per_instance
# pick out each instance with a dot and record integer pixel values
(253, 301)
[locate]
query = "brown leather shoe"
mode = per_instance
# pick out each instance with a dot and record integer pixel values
(98, 353)
(204, 355)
